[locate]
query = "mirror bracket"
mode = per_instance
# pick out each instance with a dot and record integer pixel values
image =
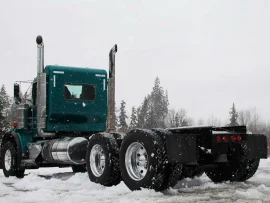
(17, 97)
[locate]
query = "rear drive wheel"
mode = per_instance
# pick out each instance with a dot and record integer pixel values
(142, 160)
(172, 176)
(78, 168)
(197, 173)
(9, 161)
(253, 165)
(192, 172)
(233, 171)
(172, 171)
(102, 159)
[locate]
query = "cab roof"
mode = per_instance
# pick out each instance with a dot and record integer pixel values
(85, 70)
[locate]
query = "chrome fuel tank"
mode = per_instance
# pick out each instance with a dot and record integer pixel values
(65, 150)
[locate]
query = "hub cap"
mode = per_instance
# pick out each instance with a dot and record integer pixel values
(8, 160)
(97, 160)
(136, 161)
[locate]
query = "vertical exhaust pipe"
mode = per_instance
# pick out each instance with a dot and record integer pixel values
(40, 55)
(111, 91)
(41, 90)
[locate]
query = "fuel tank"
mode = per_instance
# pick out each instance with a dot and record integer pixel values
(66, 150)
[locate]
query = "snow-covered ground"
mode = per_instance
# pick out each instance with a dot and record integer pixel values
(61, 185)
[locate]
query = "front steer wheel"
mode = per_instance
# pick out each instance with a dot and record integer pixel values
(102, 159)
(142, 160)
(9, 161)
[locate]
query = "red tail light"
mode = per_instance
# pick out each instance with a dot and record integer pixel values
(239, 138)
(218, 138)
(225, 138)
(233, 138)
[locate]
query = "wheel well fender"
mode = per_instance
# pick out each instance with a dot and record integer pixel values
(14, 138)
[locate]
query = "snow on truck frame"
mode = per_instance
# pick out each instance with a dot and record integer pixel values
(65, 124)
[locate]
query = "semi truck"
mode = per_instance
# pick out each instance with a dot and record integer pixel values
(69, 122)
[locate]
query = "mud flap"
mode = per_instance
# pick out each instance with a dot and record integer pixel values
(181, 148)
(257, 146)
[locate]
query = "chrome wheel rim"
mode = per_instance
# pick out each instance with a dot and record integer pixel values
(8, 160)
(136, 161)
(97, 160)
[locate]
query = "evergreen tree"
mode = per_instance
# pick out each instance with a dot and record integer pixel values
(234, 116)
(154, 109)
(134, 121)
(177, 120)
(157, 107)
(142, 113)
(166, 102)
(151, 120)
(12, 116)
(171, 119)
(122, 117)
(116, 118)
(4, 107)
(184, 123)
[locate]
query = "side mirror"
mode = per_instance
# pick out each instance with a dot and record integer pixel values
(17, 97)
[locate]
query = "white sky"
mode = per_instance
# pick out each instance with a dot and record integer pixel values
(207, 54)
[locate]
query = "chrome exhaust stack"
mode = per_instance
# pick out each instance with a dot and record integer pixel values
(40, 54)
(111, 91)
(41, 90)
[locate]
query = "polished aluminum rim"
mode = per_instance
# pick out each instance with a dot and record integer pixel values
(8, 160)
(136, 161)
(97, 160)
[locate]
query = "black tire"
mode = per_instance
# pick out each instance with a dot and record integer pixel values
(20, 173)
(197, 173)
(111, 174)
(119, 138)
(172, 171)
(156, 159)
(193, 172)
(233, 171)
(172, 175)
(78, 168)
(253, 165)
(13, 170)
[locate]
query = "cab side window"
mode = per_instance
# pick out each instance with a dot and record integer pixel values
(82, 92)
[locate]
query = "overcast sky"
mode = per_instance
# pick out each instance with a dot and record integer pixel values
(207, 54)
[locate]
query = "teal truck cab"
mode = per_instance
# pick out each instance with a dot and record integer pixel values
(68, 105)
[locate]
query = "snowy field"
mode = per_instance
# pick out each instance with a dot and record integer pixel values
(61, 185)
